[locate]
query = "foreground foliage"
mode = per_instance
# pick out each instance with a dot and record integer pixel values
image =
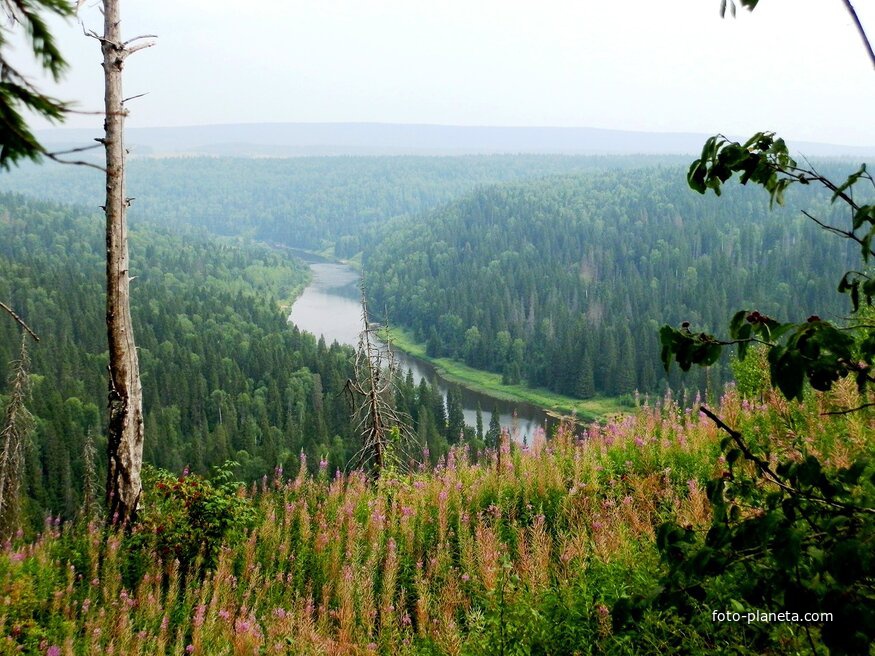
(787, 528)
(530, 551)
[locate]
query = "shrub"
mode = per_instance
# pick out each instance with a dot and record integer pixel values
(190, 517)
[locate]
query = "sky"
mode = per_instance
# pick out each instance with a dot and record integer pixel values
(797, 67)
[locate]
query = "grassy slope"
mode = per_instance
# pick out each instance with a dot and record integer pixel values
(490, 383)
(534, 549)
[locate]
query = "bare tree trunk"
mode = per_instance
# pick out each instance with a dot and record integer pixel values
(125, 447)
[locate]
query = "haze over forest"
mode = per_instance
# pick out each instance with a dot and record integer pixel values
(303, 139)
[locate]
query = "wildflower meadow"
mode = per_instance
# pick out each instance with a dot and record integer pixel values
(519, 551)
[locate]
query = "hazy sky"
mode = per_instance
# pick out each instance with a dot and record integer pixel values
(794, 66)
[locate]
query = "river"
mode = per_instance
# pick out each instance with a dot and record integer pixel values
(330, 307)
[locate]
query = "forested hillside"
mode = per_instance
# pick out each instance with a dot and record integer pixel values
(224, 375)
(306, 202)
(564, 282)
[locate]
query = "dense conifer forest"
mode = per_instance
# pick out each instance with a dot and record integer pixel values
(225, 377)
(308, 202)
(563, 282)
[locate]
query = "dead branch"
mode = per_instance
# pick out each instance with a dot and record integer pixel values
(139, 95)
(75, 162)
(138, 38)
(19, 320)
(127, 52)
(371, 396)
(80, 149)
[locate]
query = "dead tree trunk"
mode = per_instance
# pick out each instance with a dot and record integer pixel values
(125, 434)
(385, 432)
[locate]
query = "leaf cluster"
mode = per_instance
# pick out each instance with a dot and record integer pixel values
(815, 350)
(800, 539)
(797, 536)
(189, 517)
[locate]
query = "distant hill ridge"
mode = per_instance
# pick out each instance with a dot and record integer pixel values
(307, 139)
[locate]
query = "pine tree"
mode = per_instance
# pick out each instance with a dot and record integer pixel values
(494, 431)
(455, 415)
(585, 388)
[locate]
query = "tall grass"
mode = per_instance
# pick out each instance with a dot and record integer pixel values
(441, 561)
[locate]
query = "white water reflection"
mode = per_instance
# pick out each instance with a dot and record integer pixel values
(330, 307)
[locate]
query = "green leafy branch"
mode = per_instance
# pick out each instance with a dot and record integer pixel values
(17, 93)
(814, 350)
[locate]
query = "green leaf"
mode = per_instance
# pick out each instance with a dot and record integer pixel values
(787, 371)
(852, 180)
(865, 214)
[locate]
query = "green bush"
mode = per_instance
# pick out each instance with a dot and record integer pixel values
(190, 517)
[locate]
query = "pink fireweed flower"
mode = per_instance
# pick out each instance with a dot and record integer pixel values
(323, 465)
(639, 442)
(54, 650)
(224, 614)
(241, 625)
(280, 613)
(189, 649)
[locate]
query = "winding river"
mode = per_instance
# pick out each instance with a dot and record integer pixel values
(330, 307)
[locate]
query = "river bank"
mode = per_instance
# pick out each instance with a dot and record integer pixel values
(330, 307)
(555, 405)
